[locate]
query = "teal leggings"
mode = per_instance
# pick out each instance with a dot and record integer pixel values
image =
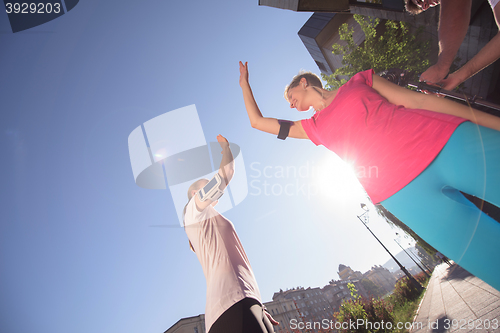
(434, 208)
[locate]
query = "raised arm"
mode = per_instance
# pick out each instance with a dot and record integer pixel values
(226, 168)
(268, 125)
(413, 100)
(485, 57)
(226, 171)
(453, 24)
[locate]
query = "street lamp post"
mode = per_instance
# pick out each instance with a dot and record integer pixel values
(421, 261)
(416, 263)
(365, 221)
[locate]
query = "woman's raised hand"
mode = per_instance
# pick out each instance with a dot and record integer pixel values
(243, 73)
(223, 142)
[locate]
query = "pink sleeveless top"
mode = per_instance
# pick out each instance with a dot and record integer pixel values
(388, 144)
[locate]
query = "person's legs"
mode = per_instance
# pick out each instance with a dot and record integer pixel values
(470, 162)
(246, 316)
(434, 208)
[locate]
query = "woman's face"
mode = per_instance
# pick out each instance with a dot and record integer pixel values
(298, 98)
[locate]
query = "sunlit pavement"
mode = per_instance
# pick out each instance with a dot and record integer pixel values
(457, 301)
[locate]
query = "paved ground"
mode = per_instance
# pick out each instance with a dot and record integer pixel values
(457, 301)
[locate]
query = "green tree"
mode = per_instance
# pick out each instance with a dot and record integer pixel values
(371, 288)
(396, 47)
(427, 258)
(372, 310)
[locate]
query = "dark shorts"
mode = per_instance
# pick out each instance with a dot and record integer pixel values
(246, 316)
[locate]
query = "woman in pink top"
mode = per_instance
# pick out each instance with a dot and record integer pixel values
(425, 150)
(233, 299)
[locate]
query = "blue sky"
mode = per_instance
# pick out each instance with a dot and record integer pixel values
(80, 246)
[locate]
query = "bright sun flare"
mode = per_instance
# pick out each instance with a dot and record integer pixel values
(336, 180)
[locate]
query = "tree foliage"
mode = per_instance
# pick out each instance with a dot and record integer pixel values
(405, 291)
(372, 310)
(396, 47)
(392, 220)
(428, 259)
(372, 289)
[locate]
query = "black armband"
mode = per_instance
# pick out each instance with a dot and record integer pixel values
(284, 128)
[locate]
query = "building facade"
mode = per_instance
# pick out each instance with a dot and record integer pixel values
(189, 325)
(381, 277)
(337, 291)
(310, 306)
(283, 311)
(332, 6)
(346, 273)
(320, 32)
